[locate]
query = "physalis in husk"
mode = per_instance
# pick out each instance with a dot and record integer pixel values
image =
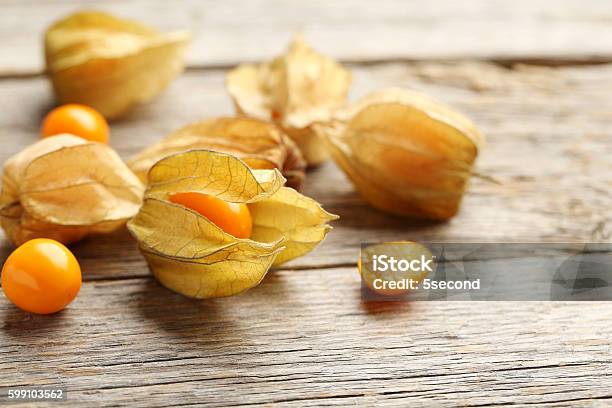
(295, 90)
(405, 153)
(193, 254)
(64, 187)
(111, 64)
(261, 145)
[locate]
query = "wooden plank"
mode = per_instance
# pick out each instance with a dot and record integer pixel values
(147, 346)
(551, 158)
(305, 338)
(226, 33)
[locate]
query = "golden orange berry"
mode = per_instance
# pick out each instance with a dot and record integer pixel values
(233, 218)
(79, 120)
(41, 276)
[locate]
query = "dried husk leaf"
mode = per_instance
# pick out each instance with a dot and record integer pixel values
(299, 220)
(405, 153)
(189, 254)
(109, 63)
(192, 256)
(295, 90)
(213, 173)
(261, 145)
(64, 188)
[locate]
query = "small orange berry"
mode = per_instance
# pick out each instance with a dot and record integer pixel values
(41, 276)
(233, 218)
(79, 120)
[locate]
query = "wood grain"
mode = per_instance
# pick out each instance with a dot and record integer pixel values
(304, 337)
(226, 33)
(552, 159)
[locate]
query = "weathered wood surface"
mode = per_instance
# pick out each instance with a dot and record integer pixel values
(228, 32)
(551, 158)
(304, 337)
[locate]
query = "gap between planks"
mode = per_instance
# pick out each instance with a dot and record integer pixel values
(552, 62)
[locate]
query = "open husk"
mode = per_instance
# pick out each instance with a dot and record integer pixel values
(109, 63)
(405, 153)
(261, 145)
(295, 90)
(191, 255)
(64, 188)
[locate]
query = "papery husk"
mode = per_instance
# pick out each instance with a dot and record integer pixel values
(261, 145)
(295, 90)
(192, 256)
(405, 153)
(111, 64)
(189, 254)
(64, 188)
(299, 220)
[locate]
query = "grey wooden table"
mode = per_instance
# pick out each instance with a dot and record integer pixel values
(536, 76)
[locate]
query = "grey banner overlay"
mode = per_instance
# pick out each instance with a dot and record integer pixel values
(514, 272)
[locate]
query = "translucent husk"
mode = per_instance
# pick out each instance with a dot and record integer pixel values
(109, 63)
(65, 188)
(191, 255)
(295, 90)
(261, 145)
(405, 153)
